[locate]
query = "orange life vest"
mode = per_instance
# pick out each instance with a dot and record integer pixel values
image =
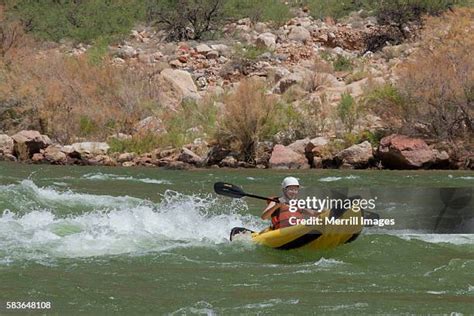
(281, 216)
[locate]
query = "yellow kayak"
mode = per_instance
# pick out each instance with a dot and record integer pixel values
(331, 230)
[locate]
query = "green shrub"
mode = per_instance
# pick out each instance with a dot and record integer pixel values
(191, 121)
(249, 52)
(81, 21)
(86, 126)
(388, 103)
(98, 52)
(342, 63)
(347, 111)
(139, 144)
(263, 10)
(321, 9)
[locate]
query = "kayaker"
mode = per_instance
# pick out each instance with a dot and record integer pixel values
(280, 212)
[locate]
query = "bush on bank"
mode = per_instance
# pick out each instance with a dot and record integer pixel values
(89, 20)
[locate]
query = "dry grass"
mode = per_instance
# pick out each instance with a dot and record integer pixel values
(439, 80)
(68, 97)
(249, 116)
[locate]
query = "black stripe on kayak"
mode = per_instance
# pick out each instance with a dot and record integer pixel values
(301, 241)
(353, 237)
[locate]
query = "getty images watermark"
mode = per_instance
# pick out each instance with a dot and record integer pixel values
(321, 205)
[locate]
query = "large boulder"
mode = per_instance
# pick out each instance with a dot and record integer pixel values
(285, 158)
(175, 86)
(181, 81)
(299, 146)
(216, 155)
(190, 157)
(87, 149)
(315, 151)
(54, 155)
(357, 156)
(299, 34)
(28, 142)
(6, 144)
(316, 145)
(403, 152)
(266, 40)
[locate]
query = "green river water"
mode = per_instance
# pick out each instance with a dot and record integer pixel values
(99, 240)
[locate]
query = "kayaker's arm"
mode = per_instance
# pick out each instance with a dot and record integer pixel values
(267, 213)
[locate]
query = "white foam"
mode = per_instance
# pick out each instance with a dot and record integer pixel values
(332, 179)
(436, 292)
(34, 196)
(345, 306)
(461, 177)
(199, 308)
(325, 263)
(117, 225)
(456, 239)
(269, 303)
(107, 176)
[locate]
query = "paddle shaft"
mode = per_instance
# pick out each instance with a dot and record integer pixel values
(260, 197)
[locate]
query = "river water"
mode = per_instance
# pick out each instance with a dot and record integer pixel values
(100, 240)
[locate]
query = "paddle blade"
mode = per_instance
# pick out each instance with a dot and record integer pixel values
(228, 189)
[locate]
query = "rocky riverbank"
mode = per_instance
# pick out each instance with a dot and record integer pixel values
(319, 74)
(394, 152)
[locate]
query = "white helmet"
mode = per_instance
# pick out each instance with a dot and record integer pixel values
(289, 181)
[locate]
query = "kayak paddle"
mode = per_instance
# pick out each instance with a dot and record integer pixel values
(234, 191)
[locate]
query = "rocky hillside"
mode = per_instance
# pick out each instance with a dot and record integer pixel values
(307, 94)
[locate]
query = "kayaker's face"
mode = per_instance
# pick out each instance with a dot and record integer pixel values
(292, 191)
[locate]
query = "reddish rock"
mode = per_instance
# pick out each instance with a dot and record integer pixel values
(403, 152)
(285, 158)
